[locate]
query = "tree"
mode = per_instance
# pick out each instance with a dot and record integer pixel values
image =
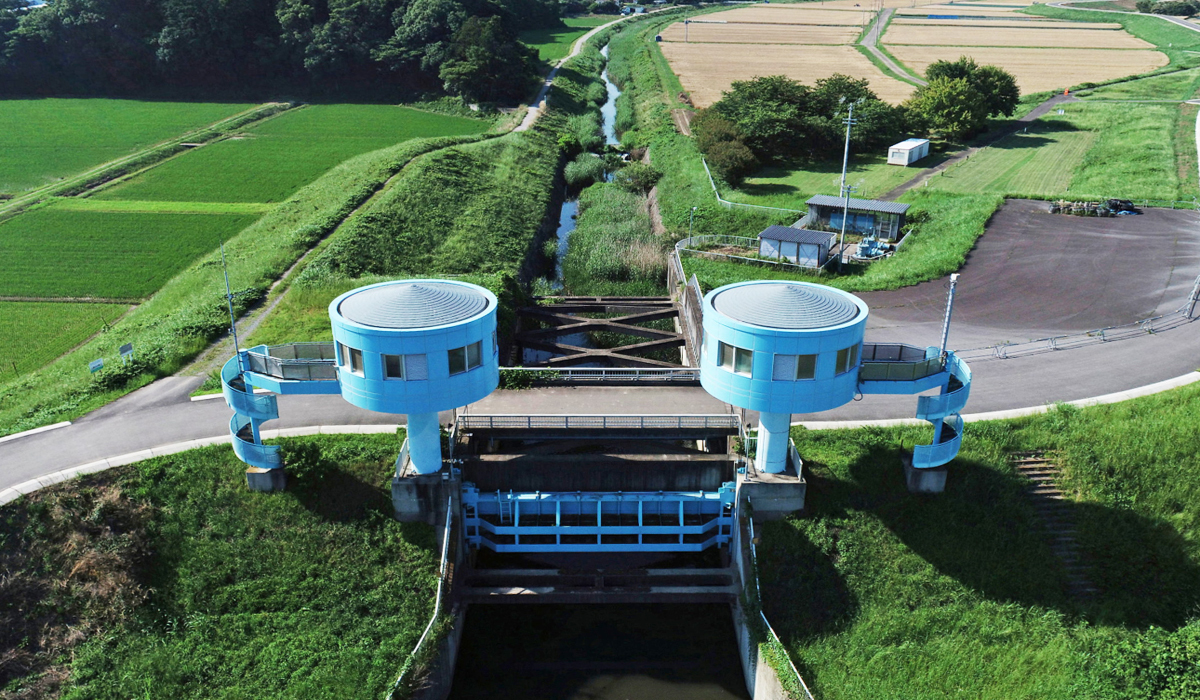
(769, 111)
(732, 161)
(709, 127)
(949, 106)
(488, 64)
(998, 86)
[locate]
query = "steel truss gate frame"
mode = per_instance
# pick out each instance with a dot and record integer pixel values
(663, 521)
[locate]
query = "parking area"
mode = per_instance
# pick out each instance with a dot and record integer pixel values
(1035, 272)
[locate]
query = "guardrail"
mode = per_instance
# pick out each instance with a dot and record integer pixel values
(615, 374)
(939, 453)
(807, 694)
(564, 422)
(437, 601)
(1154, 324)
(741, 242)
(296, 361)
(895, 362)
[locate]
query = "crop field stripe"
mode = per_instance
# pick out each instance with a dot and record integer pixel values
(52, 253)
(1014, 37)
(277, 157)
(705, 70)
(34, 334)
(136, 206)
(1072, 66)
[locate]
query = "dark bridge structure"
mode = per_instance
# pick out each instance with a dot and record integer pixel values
(560, 318)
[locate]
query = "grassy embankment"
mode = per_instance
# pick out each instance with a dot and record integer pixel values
(169, 579)
(880, 593)
(48, 139)
(555, 43)
(182, 317)
(1097, 148)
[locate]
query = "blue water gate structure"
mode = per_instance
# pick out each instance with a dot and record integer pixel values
(412, 347)
(783, 348)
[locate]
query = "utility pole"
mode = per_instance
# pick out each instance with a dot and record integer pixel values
(845, 191)
(237, 346)
(949, 310)
(691, 218)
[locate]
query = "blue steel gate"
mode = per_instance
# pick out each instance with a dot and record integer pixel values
(663, 521)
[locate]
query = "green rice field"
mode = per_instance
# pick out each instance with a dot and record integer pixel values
(75, 254)
(34, 333)
(789, 188)
(47, 139)
(270, 161)
(555, 43)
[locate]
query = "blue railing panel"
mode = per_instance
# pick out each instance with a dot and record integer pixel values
(942, 405)
(940, 453)
(245, 402)
(254, 454)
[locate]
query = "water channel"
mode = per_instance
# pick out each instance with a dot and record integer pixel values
(597, 652)
(570, 210)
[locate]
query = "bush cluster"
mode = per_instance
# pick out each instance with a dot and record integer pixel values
(1180, 8)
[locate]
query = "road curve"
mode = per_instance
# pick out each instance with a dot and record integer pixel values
(870, 43)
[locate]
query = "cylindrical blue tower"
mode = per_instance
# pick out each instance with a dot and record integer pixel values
(780, 348)
(416, 347)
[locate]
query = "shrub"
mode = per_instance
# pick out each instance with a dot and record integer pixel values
(584, 170)
(637, 177)
(732, 161)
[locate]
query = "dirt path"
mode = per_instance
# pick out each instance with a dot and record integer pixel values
(539, 103)
(870, 43)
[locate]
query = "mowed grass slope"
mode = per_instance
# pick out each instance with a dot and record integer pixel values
(555, 43)
(69, 254)
(33, 333)
(1037, 162)
(788, 187)
(882, 594)
(47, 139)
(270, 161)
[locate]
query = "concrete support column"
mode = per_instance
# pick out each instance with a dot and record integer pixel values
(772, 452)
(425, 442)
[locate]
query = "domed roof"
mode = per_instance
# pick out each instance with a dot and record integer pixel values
(408, 305)
(786, 305)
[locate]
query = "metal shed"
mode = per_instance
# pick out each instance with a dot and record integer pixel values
(795, 245)
(908, 152)
(865, 216)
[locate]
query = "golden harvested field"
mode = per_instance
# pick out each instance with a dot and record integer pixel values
(1040, 69)
(1003, 36)
(1021, 24)
(955, 10)
(761, 34)
(789, 14)
(706, 70)
(860, 4)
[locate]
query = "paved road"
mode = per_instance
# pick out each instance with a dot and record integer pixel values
(870, 43)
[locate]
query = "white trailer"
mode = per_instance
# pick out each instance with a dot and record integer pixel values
(908, 152)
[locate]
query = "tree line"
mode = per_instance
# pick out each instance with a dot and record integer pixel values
(465, 47)
(775, 119)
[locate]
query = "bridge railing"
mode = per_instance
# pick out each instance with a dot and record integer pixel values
(295, 361)
(594, 421)
(584, 375)
(898, 362)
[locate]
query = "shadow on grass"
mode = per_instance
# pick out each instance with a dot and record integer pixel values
(984, 532)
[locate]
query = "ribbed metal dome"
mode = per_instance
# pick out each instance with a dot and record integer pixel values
(784, 305)
(413, 305)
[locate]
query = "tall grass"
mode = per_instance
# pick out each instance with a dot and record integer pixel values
(879, 593)
(613, 252)
(315, 592)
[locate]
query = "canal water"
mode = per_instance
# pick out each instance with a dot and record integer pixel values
(569, 211)
(599, 652)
